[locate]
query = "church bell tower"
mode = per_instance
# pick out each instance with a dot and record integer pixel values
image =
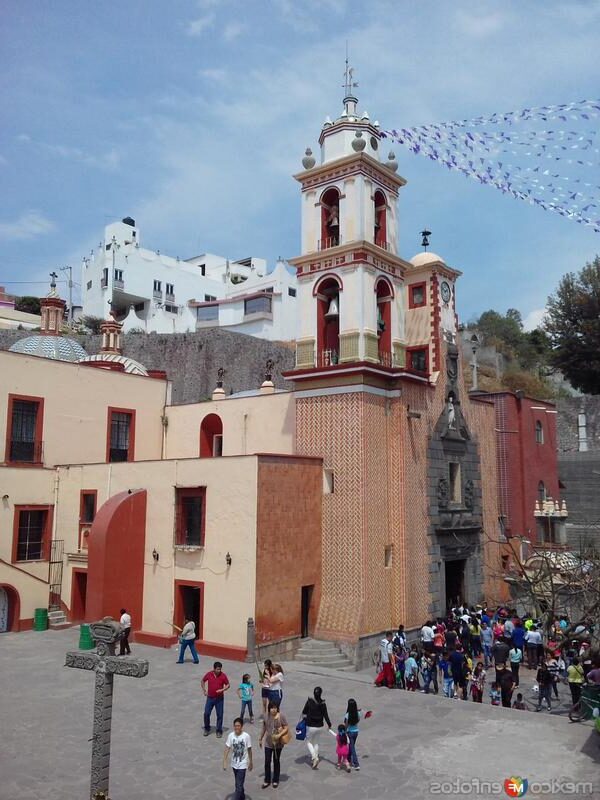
(350, 277)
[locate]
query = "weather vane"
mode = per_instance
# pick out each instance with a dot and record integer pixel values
(425, 241)
(349, 83)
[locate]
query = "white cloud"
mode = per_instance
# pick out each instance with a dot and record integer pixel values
(196, 27)
(27, 226)
(480, 25)
(215, 74)
(108, 161)
(232, 30)
(534, 319)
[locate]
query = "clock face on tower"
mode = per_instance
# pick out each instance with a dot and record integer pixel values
(445, 291)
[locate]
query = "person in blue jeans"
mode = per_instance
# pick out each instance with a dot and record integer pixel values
(214, 685)
(245, 693)
(352, 719)
(187, 639)
(446, 670)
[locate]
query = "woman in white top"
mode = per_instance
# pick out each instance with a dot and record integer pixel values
(275, 687)
(266, 684)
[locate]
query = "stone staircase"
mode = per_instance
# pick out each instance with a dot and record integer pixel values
(323, 654)
(57, 620)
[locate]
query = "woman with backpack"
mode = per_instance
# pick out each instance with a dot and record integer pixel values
(315, 715)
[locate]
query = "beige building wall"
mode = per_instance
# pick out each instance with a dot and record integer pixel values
(76, 402)
(255, 424)
(29, 578)
(231, 507)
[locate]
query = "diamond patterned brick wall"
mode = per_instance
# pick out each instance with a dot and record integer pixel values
(331, 427)
(382, 498)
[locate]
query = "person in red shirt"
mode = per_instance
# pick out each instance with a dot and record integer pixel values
(214, 686)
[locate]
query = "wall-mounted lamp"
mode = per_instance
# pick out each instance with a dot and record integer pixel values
(5, 497)
(228, 558)
(155, 555)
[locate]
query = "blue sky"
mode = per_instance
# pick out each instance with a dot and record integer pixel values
(192, 115)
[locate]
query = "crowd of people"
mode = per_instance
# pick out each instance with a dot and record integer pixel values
(275, 731)
(453, 656)
(456, 653)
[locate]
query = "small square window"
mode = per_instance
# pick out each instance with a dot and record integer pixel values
(291, 292)
(417, 360)
(157, 286)
(417, 295)
(388, 555)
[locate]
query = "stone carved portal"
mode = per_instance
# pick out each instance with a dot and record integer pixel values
(455, 509)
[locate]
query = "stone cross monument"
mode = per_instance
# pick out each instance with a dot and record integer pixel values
(106, 665)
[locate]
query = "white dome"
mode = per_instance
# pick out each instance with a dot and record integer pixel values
(131, 366)
(421, 259)
(59, 348)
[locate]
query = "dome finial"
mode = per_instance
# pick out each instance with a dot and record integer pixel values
(425, 242)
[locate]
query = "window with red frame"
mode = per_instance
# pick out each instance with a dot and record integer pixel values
(87, 506)
(417, 360)
(121, 431)
(190, 516)
(24, 437)
(417, 296)
(32, 534)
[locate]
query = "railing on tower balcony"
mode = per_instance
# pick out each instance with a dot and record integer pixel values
(118, 284)
(170, 298)
(383, 244)
(326, 244)
(386, 359)
(22, 452)
(327, 358)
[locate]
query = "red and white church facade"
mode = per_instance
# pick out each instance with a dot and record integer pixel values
(364, 496)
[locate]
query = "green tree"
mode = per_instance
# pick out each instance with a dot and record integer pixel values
(92, 323)
(507, 329)
(27, 304)
(572, 323)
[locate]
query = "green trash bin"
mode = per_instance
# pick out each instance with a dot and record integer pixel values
(590, 699)
(85, 638)
(40, 619)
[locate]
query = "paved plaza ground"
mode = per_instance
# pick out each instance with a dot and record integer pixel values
(159, 753)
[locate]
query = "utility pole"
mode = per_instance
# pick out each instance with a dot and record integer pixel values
(70, 269)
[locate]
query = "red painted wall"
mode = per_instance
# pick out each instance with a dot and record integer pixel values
(522, 462)
(116, 547)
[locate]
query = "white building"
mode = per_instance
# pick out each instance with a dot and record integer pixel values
(145, 289)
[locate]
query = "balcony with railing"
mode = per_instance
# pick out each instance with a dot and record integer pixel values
(328, 243)
(157, 294)
(385, 245)
(327, 358)
(169, 297)
(118, 284)
(25, 452)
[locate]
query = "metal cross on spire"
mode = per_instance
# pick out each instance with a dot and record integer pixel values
(349, 83)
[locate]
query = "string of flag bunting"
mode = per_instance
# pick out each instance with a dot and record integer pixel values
(547, 165)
